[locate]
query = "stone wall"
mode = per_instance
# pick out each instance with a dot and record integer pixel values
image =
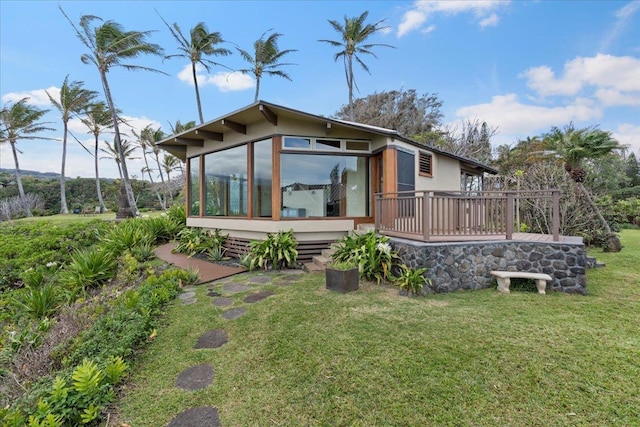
(466, 265)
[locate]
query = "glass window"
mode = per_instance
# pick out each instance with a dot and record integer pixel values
(358, 145)
(194, 186)
(225, 181)
(297, 143)
(406, 182)
(327, 145)
(262, 166)
(323, 186)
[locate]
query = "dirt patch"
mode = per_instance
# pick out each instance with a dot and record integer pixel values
(202, 416)
(212, 339)
(255, 297)
(196, 378)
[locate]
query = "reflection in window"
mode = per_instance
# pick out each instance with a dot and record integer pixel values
(194, 186)
(262, 166)
(225, 176)
(324, 186)
(297, 143)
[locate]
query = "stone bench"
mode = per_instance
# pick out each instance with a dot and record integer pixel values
(504, 279)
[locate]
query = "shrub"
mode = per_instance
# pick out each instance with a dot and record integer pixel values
(88, 268)
(178, 213)
(193, 241)
(411, 281)
(372, 254)
(278, 251)
(127, 235)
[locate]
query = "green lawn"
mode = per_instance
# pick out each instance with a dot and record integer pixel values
(70, 218)
(306, 356)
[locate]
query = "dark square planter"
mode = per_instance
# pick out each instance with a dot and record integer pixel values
(342, 280)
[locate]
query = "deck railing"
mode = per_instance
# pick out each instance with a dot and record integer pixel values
(429, 215)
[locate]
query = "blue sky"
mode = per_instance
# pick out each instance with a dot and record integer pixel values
(521, 66)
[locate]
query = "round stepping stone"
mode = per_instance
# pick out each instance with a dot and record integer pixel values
(222, 302)
(189, 301)
(255, 297)
(234, 288)
(234, 313)
(260, 279)
(187, 295)
(212, 339)
(197, 417)
(214, 294)
(195, 378)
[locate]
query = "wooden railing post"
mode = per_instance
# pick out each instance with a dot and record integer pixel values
(426, 216)
(509, 216)
(556, 215)
(377, 210)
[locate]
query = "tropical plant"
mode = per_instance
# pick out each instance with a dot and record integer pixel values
(217, 253)
(372, 253)
(109, 45)
(265, 59)
(19, 120)
(111, 152)
(354, 34)
(194, 240)
(73, 100)
(411, 281)
(170, 164)
(127, 235)
(201, 43)
(147, 140)
(278, 251)
(97, 119)
(88, 268)
(575, 146)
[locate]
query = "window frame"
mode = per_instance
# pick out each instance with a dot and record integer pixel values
(430, 156)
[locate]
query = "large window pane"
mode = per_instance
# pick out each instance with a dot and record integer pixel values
(324, 185)
(262, 166)
(225, 190)
(194, 186)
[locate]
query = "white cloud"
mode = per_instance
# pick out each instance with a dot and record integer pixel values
(612, 97)
(619, 73)
(429, 29)
(629, 135)
(623, 15)
(513, 117)
(224, 81)
(136, 124)
(36, 97)
(483, 10)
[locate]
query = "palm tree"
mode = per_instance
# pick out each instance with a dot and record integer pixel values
(147, 140)
(74, 99)
(354, 33)
(169, 164)
(109, 44)
(20, 121)
(179, 127)
(98, 119)
(264, 59)
(112, 153)
(202, 43)
(573, 147)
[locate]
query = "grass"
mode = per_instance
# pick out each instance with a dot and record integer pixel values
(73, 218)
(306, 356)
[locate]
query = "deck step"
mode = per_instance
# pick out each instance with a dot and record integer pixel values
(365, 228)
(312, 267)
(321, 261)
(327, 253)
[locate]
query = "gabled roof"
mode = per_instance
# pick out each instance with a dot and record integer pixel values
(238, 121)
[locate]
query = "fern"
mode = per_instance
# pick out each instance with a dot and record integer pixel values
(87, 378)
(115, 370)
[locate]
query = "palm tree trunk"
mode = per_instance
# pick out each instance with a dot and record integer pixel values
(19, 177)
(146, 162)
(195, 82)
(164, 185)
(64, 209)
(98, 190)
(255, 99)
(350, 84)
(117, 142)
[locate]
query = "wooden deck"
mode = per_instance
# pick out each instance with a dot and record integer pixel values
(517, 237)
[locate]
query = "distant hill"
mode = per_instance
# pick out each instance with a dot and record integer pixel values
(35, 174)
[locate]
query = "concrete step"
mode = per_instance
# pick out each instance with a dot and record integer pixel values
(311, 267)
(366, 227)
(321, 261)
(327, 253)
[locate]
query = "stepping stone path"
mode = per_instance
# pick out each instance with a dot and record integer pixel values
(212, 339)
(222, 302)
(234, 288)
(234, 313)
(201, 376)
(197, 417)
(255, 297)
(195, 378)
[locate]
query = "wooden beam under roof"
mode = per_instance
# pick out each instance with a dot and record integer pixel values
(268, 114)
(327, 128)
(190, 142)
(214, 136)
(234, 126)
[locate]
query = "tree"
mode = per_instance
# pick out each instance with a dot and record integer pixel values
(98, 119)
(169, 164)
(265, 59)
(472, 139)
(112, 152)
(20, 121)
(573, 147)
(403, 110)
(201, 43)
(73, 100)
(109, 44)
(632, 170)
(354, 34)
(147, 141)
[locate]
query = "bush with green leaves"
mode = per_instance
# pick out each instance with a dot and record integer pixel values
(411, 281)
(194, 240)
(127, 235)
(88, 268)
(178, 213)
(278, 251)
(372, 254)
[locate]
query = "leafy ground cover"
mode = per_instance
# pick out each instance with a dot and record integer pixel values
(307, 356)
